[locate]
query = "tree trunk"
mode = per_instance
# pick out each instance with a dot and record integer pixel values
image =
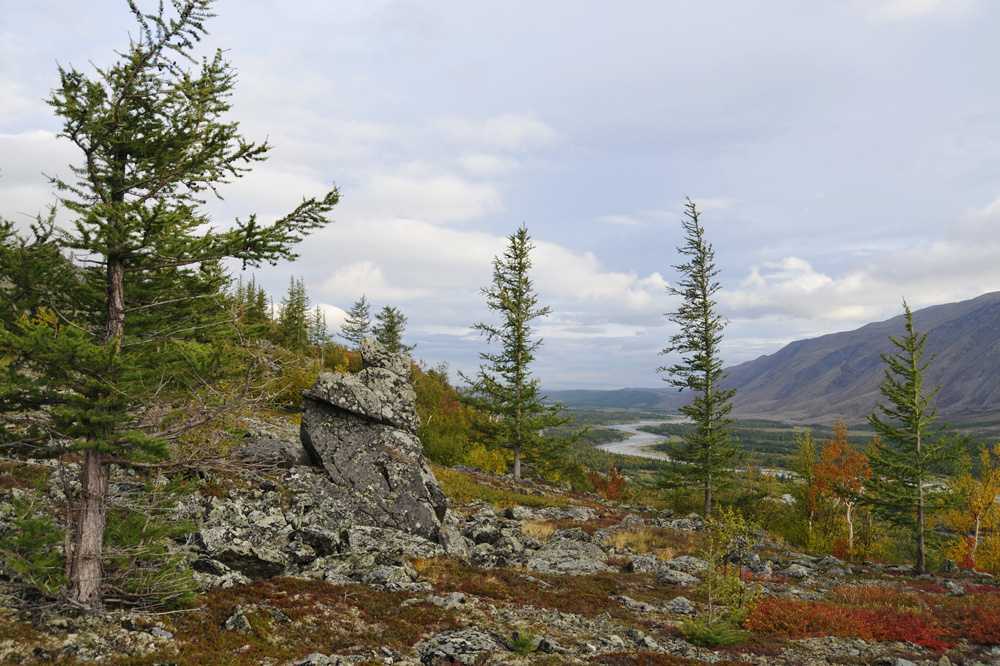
(708, 495)
(850, 531)
(517, 462)
(92, 514)
(93, 510)
(114, 323)
(921, 554)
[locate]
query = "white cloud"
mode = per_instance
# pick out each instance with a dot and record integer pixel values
(903, 10)
(335, 317)
(25, 159)
(349, 282)
(577, 277)
(623, 220)
(417, 193)
(487, 165)
(507, 133)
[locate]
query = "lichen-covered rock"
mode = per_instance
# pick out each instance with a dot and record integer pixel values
(563, 555)
(463, 647)
(675, 577)
(362, 429)
(634, 605)
(679, 606)
(686, 563)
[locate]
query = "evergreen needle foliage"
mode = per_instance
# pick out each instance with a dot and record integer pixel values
(913, 449)
(358, 323)
(389, 330)
(712, 448)
(504, 387)
(130, 348)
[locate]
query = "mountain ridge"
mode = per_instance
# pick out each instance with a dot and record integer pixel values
(837, 375)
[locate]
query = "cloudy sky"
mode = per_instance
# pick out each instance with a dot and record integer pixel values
(845, 154)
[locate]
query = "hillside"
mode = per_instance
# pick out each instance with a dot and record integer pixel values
(549, 577)
(836, 376)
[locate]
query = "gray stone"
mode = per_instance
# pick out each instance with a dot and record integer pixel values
(796, 571)
(362, 429)
(644, 564)
(634, 605)
(233, 547)
(831, 561)
(237, 621)
(160, 632)
(562, 555)
(954, 589)
(282, 452)
(631, 521)
(675, 577)
(464, 646)
(686, 563)
(679, 606)
(948, 566)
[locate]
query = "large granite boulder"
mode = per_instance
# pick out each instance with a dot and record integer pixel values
(362, 429)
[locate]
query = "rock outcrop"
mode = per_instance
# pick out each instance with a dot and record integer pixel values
(362, 429)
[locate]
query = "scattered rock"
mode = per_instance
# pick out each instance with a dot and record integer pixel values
(675, 577)
(679, 606)
(633, 605)
(362, 429)
(796, 571)
(463, 646)
(566, 555)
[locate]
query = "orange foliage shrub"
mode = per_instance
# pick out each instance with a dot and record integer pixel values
(793, 618)
(880, 614)
(611, 485)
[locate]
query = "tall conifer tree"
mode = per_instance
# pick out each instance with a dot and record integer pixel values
(389, 330)
(504, 386)
(293, 318)
(912, 449)
(358, 324)
(712, 449)
(99, 371)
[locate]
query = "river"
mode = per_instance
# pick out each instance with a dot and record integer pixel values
(638, 441)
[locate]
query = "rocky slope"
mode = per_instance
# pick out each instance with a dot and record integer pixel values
(556, 578)
(341, 545)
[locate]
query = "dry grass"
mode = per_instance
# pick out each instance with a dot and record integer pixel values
(666, 543)
(539, 529)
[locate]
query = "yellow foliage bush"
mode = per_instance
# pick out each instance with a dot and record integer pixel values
(496, 461)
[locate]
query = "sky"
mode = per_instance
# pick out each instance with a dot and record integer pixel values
(844, 155)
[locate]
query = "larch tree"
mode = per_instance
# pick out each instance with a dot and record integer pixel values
(293, 317)
(358, 324)
(707, 453)
(389, 330)
(913, 449)
(504, 387)
(124, 360)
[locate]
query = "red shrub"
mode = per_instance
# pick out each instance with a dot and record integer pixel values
(611, 485)
(792, 618)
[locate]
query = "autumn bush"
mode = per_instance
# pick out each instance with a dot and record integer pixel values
(794, 618)
(610, 485)
(878, 613)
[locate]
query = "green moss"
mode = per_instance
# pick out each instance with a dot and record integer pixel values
(464, 489)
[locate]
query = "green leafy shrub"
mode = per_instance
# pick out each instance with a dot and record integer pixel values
(523, 642)
(712, 635)
(32, 547)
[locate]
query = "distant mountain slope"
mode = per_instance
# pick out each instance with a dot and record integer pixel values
(837, 375)
(626, 398)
